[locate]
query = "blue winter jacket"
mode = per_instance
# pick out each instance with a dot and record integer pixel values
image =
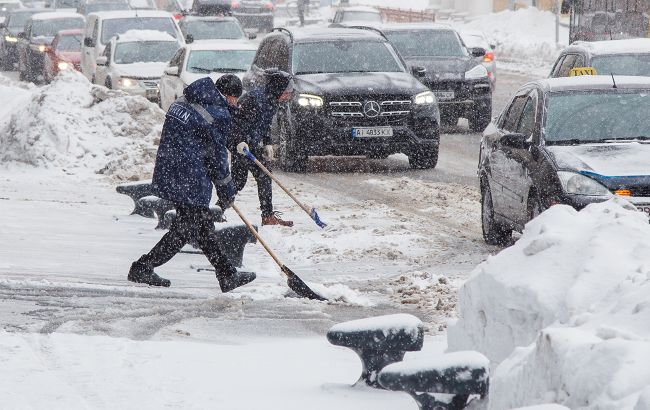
(192, 153)
(252, 124)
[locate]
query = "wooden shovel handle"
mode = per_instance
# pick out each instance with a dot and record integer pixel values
(259, 238)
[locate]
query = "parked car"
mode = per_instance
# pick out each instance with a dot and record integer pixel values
(199, 28)
(254, 14)
(474, 39)
(460, 83)
(571, 141)
(7, 6)
(93, 6)
(353, 96)
(619, 57)
(198, 60)
(64, 54)
(39, 32)
(357, 15)
(14, 24)
(134, 61)
(102, 26)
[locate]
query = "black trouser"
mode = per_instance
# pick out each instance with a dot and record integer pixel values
(239, 171)
(191, 223)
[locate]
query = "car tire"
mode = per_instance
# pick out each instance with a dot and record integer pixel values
(481, 118)
(290, 155)
(494, 233)
(424, 158)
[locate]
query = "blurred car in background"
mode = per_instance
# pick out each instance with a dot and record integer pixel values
(40, 30)
(7, 6)
(620, 57)
(104, 25)
(198, 60)
(13, 24)
(143, 5)
(93, 6)
(254, 14)
(134, 62)
(175, 7)
(64, 54)
(199, 28)
(357, 15)
(63, 5)
(474, 39)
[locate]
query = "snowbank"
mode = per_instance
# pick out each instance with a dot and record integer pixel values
(564, 312)
(74, 125)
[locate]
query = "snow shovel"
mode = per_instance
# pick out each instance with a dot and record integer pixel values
(311, 212)
(293, 281)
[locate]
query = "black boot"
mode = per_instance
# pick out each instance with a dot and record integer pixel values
(141, 273)
(229, 278)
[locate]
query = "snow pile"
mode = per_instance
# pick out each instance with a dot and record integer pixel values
(17, 93)
(74, 125)
(524, 39)
(564, 312)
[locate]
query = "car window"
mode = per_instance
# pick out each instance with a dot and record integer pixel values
(264, 57)
(222, 61)
(427, 43)
(69, 43)
(511, 119)
(527, 119)
(50, 27)
(177, 59)
(111, 27)
(207, 30)
(107, 51)
(144, 51)
(622, 64)
(353, 15)
(556, 67)
(567, 65)
(95, 32)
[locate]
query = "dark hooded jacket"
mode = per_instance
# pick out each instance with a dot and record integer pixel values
(192, 153)
(252, 123)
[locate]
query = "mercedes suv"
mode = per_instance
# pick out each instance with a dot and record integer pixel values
(353, 95)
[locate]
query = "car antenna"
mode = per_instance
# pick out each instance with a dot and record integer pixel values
(614, 81)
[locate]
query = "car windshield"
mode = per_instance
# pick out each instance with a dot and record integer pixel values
(208, 61)
(361, 16)
(597, 116)
(17, 21)
(49, 28)
(66, 4)
(427, 43)
(111, 27)
(144, 51)
(69, 43)
(627, 64)
(206, 30)
(93, 8)
(5, 8)
(344, 57)
(475, 40)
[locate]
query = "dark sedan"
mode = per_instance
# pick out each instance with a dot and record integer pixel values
(572, 141)
(13, 24)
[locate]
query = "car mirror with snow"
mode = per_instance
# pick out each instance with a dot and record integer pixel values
(88, 42)
(517, 141)
(251, 36)
(189, 39)
(418, 71)
(477, 51)
(102, 60)
(171, 70)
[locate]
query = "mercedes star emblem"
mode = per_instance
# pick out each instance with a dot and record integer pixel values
(371, 109)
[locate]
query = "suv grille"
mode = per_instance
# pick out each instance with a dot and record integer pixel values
(369, 110)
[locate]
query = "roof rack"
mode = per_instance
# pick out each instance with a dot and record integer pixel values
(376, 30)
(285, 31)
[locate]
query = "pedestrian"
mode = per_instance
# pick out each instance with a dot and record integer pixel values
(192, 156)
(302, 5)
(252, 126)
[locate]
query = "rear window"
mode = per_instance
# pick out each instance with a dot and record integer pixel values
(206, 30)
(111, 27)
(49, 28)
(427, 43)
(361, 16)
(628, 64)
(18, 20)
(69, 43)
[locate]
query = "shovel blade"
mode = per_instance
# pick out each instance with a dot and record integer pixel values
(316, 218)
(297, 285)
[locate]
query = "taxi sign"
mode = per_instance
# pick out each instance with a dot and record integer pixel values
(582, 71)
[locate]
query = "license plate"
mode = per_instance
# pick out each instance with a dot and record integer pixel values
(644, 208)
(444, 95)
(367, 132)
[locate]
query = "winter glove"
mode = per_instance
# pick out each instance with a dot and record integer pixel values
(268, 153)
(226, 194)
(241, 147)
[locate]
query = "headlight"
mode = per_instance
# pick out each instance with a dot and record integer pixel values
(578, 184)
(127, 83)
(477, 72)
(10, 39)
(63, 65)
(426, 97)
(42, 48)
(308, 100)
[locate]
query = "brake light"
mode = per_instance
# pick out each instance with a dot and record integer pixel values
(178, 16)
(234, 4)
(489, 56)
(268, 6)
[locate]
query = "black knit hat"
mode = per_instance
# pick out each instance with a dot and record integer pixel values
(277, 82)
(229, 85)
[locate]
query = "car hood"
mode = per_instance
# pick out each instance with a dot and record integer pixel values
(69, 56)
(443, 68)
(141, 70)
(189, 78)
(358, 84)
(610, 160)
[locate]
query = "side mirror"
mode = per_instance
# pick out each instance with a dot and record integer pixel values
(171, 70)
(88, 42)
(102, 60)
(517, 141)
(251, 36)
(3, 25)
(418, 71)
(493, 46)
(189, 39)
(20, 35)
(477, 51)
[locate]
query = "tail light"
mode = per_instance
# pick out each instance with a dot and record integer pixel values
(489, 56)
(234, 4)
(178, 16)
(268, 6)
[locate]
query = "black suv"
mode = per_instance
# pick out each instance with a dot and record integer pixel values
(353, 95)
(460, 82)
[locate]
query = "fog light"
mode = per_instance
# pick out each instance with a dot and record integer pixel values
(63, 65)
(623, 192)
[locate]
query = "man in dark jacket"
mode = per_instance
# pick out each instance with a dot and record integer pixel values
(252, 126)
(193, 156)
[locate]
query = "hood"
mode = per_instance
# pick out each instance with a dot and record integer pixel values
(443, 68)
(609, 160)
(358, 84)
(204, 92)
(69, 56)
(189, 78)
(141, 70)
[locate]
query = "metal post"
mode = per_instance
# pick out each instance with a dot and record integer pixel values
(558, 9)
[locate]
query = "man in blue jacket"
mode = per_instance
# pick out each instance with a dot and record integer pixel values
(252, 126)
(193, 156)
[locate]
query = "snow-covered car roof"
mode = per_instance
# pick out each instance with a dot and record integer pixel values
(56, 15)
(627, 46)
(222, 45)
(120, 14)
(144, 35)
(415, 26)
(593, 82)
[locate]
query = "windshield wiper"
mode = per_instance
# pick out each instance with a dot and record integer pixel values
(572, 141)
(229, 70)
(201, 69)
(639, 138)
